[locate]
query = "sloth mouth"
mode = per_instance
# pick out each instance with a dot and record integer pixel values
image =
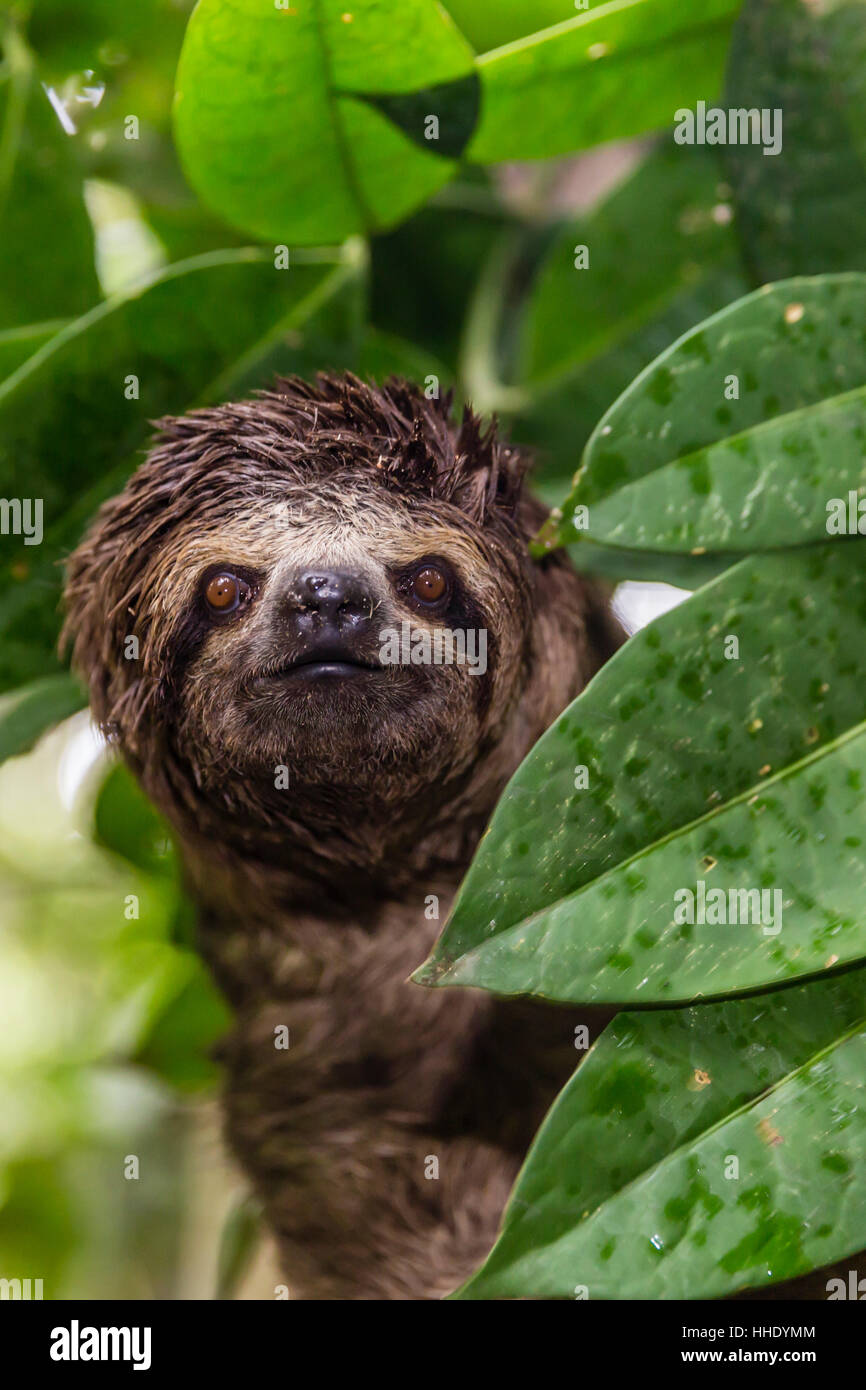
(324, 663)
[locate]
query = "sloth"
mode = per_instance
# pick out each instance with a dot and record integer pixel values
(326, 802)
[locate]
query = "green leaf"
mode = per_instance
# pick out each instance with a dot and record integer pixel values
(182, 1039)
(743, 773)
(675, 465)
(126, 822)
(307, 124)
(198, 332)
(804, 210)
(489, 26)
(608, 562)
(615, 71)
(629, 1189)
(46, 241)
(26, 713)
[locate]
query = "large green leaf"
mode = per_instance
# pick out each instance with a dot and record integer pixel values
(804, 210)
(615, 71)
(46, 242)
(743, 773)
(196, 333)
(696, 1152)
(308, 123)
(675, 465)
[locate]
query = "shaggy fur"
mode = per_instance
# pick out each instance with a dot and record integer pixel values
(315, 897)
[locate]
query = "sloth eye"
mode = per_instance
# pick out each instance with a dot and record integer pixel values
(429, 585)
(226, 592)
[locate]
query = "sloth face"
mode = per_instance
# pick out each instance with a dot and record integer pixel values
(331, 581)
(337, 631)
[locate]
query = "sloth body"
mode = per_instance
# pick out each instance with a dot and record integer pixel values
(327, 805)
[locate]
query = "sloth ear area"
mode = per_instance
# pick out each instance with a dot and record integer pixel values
(488, 475)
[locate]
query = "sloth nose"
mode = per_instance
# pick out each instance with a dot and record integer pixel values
(330, 598)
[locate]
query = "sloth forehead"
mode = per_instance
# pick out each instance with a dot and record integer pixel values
(288, 528)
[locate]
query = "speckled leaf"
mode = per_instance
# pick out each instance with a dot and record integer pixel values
(742, 773)
(308, 123)
(629, 1191)
(676, 466)
(804, 209)
(616, 70)
(70, 435)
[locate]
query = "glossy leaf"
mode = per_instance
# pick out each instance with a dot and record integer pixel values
(804, 210)
(629, 1190)
(743, 771)
(617, 70)
(307, 124)
(677, 464)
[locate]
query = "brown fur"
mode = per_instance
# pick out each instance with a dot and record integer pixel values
(312, 898)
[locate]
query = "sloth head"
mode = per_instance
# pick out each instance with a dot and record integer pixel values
(331, 580)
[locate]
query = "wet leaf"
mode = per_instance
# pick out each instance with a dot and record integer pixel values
(680, 764)
(694, 1153)
(673, 202)
(739, 435)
